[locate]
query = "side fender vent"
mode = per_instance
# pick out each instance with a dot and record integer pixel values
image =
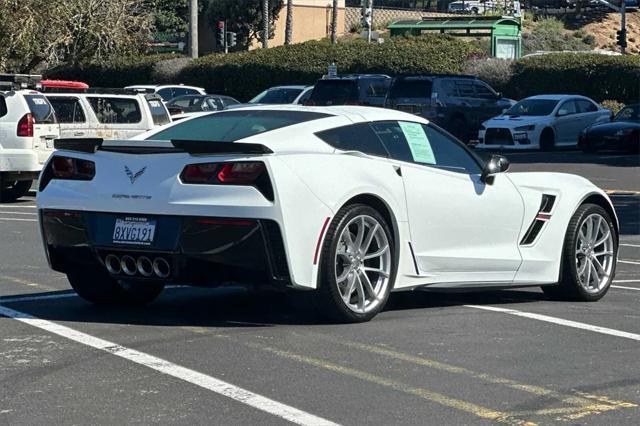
(543, 216)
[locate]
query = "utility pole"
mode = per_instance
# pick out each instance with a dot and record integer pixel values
(623, 25)
(265, 24)
(193, 28)
(334, 22)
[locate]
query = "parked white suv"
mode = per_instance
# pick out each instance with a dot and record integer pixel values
(107, 115)
(28, 128)
(169, 91)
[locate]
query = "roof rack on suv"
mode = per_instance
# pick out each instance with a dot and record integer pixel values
(20, 81)
(98, 90)
(469, 76)
(354, 76)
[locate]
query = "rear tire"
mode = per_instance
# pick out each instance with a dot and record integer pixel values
(547, 140)
(588, 257)
(101, 289)
(357, 266)
(15, 190)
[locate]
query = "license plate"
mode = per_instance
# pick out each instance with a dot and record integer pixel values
(49, 143)
(134, 230)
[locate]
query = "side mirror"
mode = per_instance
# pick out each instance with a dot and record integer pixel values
(562, 112)
(498, 95)
(496, 164)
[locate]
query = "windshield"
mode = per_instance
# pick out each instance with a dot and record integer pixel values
(158, 112)
(334, 92)
(533, 107)
(277, 96)
(411, 88)
(630, 113)
(231, 126)
(41, 109)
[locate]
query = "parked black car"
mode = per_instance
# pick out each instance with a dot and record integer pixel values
(350, 89)
(199, 103)
(622, 133)
(459, 104)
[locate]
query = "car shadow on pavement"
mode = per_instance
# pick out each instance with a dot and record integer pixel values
(235, 307)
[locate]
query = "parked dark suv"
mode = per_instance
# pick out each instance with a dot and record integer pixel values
(459, 104)
(350, 89)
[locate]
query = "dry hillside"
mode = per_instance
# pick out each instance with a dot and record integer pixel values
(605, 32)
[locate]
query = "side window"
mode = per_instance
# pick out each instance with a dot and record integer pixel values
(68, 110)
(450, 154)
(393, 139)
(586, 106)
(569, 107)
(3, 107)
(166, 94)
(378, 89)
(483, 92)
(465, 90)
(226, 101)
(356, 137)
(305, 96)
(449, 88)
(179, 91)
(116, 110)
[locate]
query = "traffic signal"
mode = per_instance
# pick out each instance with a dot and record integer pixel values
(231, 39)
(220, 33)
(622, 38)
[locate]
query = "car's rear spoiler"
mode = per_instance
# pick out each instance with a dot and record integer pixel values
(91, 145)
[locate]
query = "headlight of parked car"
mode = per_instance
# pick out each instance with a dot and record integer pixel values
(525, 128)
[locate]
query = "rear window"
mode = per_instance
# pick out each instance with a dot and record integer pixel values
(159, 113)
(116, 110)
(334, 92)
(231, 126)
(277, 96)
(3, 107)
(418, 88)
(40, 108)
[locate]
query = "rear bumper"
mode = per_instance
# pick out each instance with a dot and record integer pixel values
(201, 251)
(21, 160)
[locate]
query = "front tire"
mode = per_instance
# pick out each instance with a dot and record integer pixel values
(101, 289)
(589, 256)
(547, 140)
(15, 190)
(357, 265)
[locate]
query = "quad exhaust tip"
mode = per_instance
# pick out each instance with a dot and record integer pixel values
(143, 266)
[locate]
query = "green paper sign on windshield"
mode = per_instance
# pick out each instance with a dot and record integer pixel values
(418, 142)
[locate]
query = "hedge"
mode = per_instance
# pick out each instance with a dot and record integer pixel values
(245, 74)
(599, 77)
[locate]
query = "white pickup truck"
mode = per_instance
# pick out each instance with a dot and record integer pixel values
(106, 114)
(28, 128)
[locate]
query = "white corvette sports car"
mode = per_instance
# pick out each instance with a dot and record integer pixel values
(348, 202)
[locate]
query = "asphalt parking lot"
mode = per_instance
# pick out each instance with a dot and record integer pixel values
(231, 356)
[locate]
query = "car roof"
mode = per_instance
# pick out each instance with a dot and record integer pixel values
(557, 97)
(161, 86)
(292, 86)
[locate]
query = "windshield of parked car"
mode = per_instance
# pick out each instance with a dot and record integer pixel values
(231, 126)
(630, 113)
(334, 92)
(279, 95)
(41, 109)
(533, 107)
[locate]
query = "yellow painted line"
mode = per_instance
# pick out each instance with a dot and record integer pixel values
(435, 397)
(437, 365)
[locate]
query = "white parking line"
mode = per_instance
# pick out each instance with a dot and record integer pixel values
(218, 386)
(18, 213)
(18, 220)
(626, 281)
(630, 262)
(631, 245)
(17, 207)
(560, 321)
(625, 288)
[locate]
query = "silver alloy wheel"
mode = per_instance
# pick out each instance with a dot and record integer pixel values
(594, 253)
(363, 264)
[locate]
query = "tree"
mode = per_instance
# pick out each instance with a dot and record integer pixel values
(171, 18)
(334, 22)
(288, 34)
(244, 17)
(76, 31)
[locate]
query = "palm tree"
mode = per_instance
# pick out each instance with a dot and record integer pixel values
(288, 34)
(265, 24)
(334, 22)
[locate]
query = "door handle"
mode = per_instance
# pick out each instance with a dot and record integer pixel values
(398, 170)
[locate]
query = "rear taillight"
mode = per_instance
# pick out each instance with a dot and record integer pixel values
(25, 126)
(244, 173)
(67, 168)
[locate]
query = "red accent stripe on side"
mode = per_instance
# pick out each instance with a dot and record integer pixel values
(543, 216)
(324, 228)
